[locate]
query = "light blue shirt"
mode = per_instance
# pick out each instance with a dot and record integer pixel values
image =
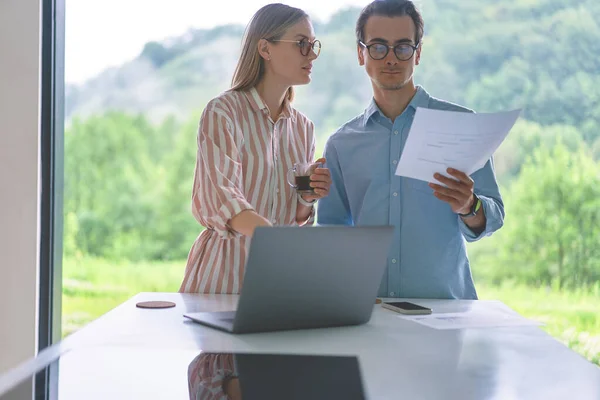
(428, 257)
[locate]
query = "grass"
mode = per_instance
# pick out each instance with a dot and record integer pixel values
(570, 316)
(91, 287)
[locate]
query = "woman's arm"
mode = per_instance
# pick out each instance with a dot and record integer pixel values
(246, 221)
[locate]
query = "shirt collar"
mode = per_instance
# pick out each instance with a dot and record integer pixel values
(257, 104)
(371, 109)
(420, 99)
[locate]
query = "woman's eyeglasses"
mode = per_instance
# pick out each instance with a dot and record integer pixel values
(305, 45)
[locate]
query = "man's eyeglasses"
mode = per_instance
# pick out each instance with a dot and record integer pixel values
(305, 45)
(379, 51)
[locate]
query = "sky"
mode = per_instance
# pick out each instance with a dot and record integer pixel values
(104, 33)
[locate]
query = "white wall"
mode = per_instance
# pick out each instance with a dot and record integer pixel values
(19, 126)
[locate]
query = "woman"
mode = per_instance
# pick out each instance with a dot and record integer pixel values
(248, 138)
(213, 376)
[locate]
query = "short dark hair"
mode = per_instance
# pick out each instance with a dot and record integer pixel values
(390, 8)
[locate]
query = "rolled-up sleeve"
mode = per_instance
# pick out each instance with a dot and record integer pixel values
(486, 188)
(218, 188)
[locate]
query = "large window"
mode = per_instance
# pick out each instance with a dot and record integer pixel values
(139, 73)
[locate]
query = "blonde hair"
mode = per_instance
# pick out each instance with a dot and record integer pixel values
(271, 22)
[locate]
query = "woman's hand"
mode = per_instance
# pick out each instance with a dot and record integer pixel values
(320, 180)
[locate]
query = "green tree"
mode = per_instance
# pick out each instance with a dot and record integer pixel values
(109, 177)
(524, 138)
(176, 226)
(157, 53)
(552, 231)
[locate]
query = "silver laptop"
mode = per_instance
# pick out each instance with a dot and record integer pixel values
(307, 277)
(302, 377)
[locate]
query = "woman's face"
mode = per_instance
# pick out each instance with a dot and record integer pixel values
(287, 61)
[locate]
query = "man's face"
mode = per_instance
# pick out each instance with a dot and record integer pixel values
(389, 73)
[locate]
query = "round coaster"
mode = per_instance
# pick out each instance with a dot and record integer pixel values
(155, 304)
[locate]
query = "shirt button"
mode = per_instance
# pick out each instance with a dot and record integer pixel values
(274, 221)
(395, 132)
(392, 294)
(393, 261)
(395, 162)
(395, 194)
(276, 190)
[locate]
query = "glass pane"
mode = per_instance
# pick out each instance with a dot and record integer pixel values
(135, 93)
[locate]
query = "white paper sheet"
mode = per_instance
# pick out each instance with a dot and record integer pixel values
(471, 319)
(448, 139)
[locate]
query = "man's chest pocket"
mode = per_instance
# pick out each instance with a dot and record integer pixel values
(418, 193)
(419, 196)
(417, 186)
(373, 207)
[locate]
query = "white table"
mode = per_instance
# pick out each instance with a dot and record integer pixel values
(399, 359)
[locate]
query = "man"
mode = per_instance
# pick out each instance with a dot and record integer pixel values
(428, 258)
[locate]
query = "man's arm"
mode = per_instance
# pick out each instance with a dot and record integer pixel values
(334, 209)
(491, 211)
(478, 221)
(458, 193)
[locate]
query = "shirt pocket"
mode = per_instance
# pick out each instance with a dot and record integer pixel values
(375, 206)
(419, 186)
(422, 202)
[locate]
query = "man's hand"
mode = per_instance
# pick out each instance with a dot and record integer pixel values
(458, 192)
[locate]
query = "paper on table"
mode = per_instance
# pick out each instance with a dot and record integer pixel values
(471, 319)
(448, 139)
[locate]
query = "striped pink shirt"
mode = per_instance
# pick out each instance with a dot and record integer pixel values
(207, 373)
(243, 157)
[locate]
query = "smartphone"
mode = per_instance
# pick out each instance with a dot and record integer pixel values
(404, 307)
